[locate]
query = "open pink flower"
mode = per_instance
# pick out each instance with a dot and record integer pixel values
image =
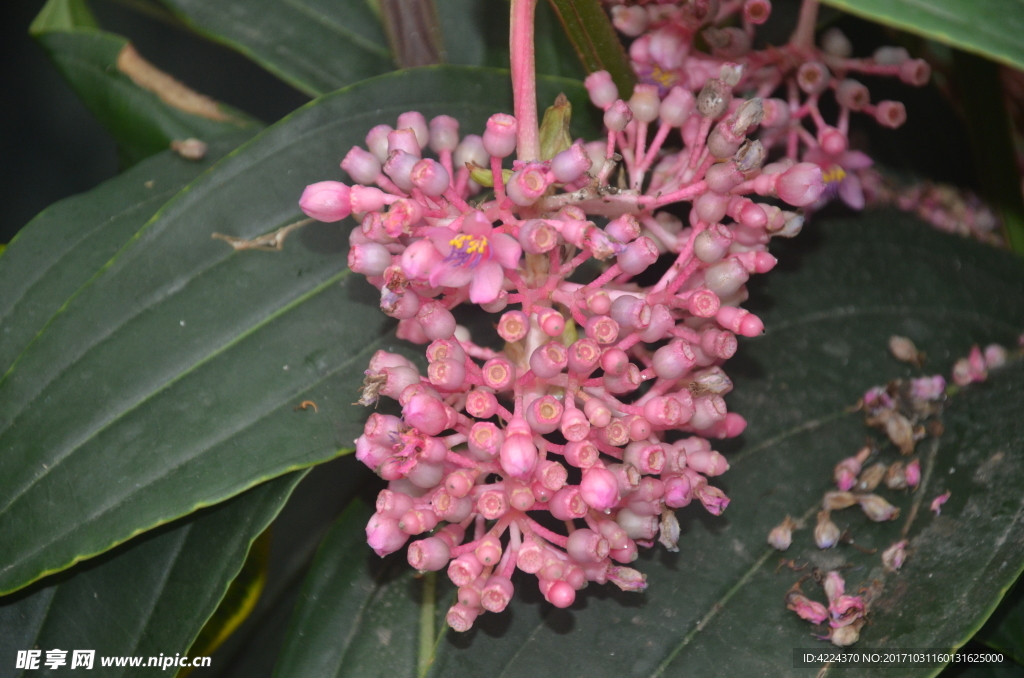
(475, 255)
(840, 174)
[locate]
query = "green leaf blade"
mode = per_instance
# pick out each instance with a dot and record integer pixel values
(159, 589)
(991, 28)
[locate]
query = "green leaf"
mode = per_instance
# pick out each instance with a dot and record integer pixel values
(596, 42)
(67, 243)
(146, 598)
(142, 107)
(717, 607)
(316, 46)
(172, 379)
(357, 614)
(991, 28)
(1004, 631)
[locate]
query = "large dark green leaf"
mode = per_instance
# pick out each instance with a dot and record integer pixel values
(316, 46)
(716, 608)
(1004, 631)
(991, 28)
(171, 381)
(146, 598)
(104, 71)
(63, 247)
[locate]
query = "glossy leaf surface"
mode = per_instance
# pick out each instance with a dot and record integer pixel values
(146, 598)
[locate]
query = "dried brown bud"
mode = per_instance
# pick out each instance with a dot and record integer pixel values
(834, 586)
(845, 636)
(905, 350)
(896, 476)
(826, 533)
(877, 509)
(900, 432)
(781, 535)
(750, 155)
(714, 99)
(668, 535)
(837, 501)
(894, 556)
(870, 478)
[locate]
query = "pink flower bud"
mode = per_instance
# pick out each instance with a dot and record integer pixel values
(776, 113)
(415, 121)
(676, 107)
(707, 462)
(677, 492)
(492, 504)
(498, 373)
(713, 244)
(418, 521)
(549, 360)
(597, 412)
(826, 532)
(384, 536)
(617, 116)
(834, 42)
(465, 569)
(757, 11)
(713, 499)
(361, 165)
(601, 89)
(673, 360)
(537, 237)
(370, 259)
(801, 184)
(544, 414)
(832, 141)
(631, 21)
(587, 546)
(853, 95)
(430, 177)
(625, 229)
(637, 527)
(599, 488)
(425, 474)
(584, 355)
(393, 504)
(813, 77)
(429, 555)
(560, 594)
(574, 425)
(707, 411)
(570, 164)
(725, 277)
(404, 140)
(551, 322)
(496, 594)
(581, 454)
(703, 303)
(739, 321)
(426, 414)
(444, 133)
(326, 201)
(377, 141)
(437, 321)
(913, 472)
(781, 535)
(488, 551)
(399, 168)
(891, 114)
(518, 456)
(481, 404)
(447, 374)
(915, 72)
(445, 349)
(471, 150)
(500, 135)
(894, 556)
(527, 186)
(568, 504)
(639, 254)
(630, 312)
(645, 103)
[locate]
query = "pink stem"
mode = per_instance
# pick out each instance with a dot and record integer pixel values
(524, 79)
(803, 36)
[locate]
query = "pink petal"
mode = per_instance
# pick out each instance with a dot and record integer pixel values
(486, 283)
(447, 275)
(506, 250)
(851, 192)
(855, 160)
(475, 223)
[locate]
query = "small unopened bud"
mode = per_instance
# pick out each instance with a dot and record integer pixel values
(995, 356)
(891, 56)
(845, 636)
(835, 42)
(645, 103)
(891, 114)
(813, 77)
(601, 89)
(877, 509)
(714, 98)
(781, 535)
(853, 95)
(826, 533)
(894, 556)
(617, 116)
(500, 135)
(676, 107)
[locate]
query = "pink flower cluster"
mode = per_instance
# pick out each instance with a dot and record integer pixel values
(595, 415)
(666, 59)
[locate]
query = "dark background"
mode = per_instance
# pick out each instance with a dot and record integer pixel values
(51, 147)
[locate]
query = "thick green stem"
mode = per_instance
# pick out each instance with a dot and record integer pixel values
(428, 610)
